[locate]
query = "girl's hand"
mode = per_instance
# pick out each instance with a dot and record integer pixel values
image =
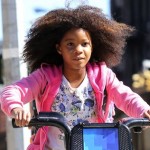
(147, 114)
(21, 116)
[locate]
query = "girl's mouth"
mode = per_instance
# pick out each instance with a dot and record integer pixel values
(78, 58)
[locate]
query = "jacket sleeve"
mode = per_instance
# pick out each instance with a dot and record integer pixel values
(22, 92)
(124, 98)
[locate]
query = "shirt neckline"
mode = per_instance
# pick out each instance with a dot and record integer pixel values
(66, 82)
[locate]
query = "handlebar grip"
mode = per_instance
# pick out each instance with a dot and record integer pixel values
(32, 122)
(136, 122)
(14, 124)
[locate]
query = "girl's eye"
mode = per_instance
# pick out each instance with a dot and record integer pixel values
(85, 44)
(70, 44)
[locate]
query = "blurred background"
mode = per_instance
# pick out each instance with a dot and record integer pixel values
(17, 16)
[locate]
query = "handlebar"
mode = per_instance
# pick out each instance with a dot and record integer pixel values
(49, 119)
(136, 123)
(57, 120)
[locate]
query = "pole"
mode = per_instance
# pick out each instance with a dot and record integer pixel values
(17, 139)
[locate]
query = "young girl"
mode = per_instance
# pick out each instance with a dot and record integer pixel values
(70, 52)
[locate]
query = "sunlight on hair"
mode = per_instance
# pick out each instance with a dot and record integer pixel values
(75, 3)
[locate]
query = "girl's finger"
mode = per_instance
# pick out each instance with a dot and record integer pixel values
(16, 115)
(17, 121)
(23, 121)
(147, 114)
(19, 118)
(20, 115)
(28, 117)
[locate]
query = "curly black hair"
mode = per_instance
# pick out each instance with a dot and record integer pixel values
(108, 36)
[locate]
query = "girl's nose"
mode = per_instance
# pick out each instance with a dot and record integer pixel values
(78, 49)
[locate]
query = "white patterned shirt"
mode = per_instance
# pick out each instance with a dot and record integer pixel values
(77, 105)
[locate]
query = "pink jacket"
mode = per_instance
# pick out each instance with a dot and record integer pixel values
(43, 85)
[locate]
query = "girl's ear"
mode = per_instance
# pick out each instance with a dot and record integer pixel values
(58, 49)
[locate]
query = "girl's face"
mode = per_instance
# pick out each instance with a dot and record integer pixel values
(75, 48)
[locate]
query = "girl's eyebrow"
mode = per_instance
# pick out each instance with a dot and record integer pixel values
(69, 39)
(74, 39)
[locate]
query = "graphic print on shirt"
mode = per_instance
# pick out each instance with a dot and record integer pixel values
(77, 105)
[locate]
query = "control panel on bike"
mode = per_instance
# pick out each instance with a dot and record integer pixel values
(100, 138)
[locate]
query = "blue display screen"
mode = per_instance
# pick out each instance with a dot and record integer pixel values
(100, 139)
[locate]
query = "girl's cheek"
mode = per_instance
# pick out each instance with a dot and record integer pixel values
(70, 49)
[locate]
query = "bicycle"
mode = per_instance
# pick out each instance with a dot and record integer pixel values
(82, 136)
